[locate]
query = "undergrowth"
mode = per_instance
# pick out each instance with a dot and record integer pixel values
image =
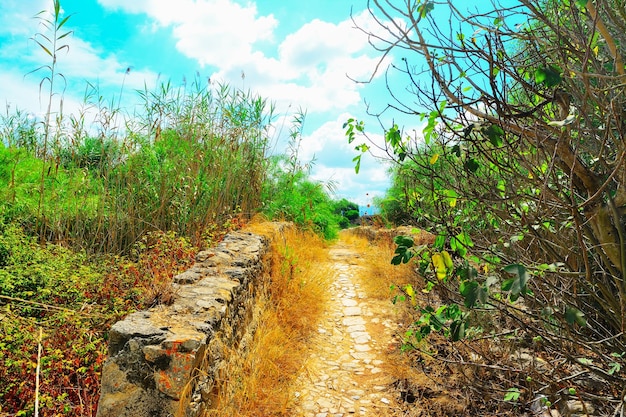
(74, 301)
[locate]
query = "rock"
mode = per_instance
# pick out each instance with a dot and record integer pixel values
(352, 311)
(578, 407)
(353, 321)
(136, 326)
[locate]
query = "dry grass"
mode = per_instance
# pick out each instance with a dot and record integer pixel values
(380, 278)
(258, 382)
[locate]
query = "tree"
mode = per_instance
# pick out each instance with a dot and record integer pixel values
(347, 210)
(524, 140)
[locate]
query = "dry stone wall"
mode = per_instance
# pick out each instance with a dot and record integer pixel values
(163, 362)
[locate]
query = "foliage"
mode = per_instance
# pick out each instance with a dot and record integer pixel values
(74, 301)
(519, 172)
(294, 197)
(96, 218)
(348, 211)
(101, 191)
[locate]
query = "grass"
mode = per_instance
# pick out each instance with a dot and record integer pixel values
(103, 193)
(258, 383)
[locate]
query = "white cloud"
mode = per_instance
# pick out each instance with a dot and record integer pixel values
(319, 42)
(311, 65)
(23, 93)
(18, 20)
(83, 61)
(80, 63)
(214, 32)
(312, 68)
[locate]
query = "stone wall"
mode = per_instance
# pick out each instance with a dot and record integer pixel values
(163, 362)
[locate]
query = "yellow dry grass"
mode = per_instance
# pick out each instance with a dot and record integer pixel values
(258, 382)
(379, 277)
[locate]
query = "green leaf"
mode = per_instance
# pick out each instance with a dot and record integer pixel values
(472, 165)
(63, 36)
(581, 4)
(457, 330)
(43, 47)
(64, 21)
(426, 8)
(429, 286)
(460, 243)
(430, 126)
(404, 241)
(494, 133)
(574, 315)
(517, 284)
(549, 76)
(357, 165)
(473, 293)
(467, 272)
(393, 136)
(402, 252)
(512, 394)
(440, 241)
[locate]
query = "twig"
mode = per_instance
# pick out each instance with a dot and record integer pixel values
(46, 307)
(39, 349)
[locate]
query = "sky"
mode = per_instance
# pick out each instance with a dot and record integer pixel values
(297, 55)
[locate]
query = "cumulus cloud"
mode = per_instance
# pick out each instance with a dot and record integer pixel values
(213, 32)
(310, 66)
(19, 93)
(14, 21)
(83, 61)
(20, 79)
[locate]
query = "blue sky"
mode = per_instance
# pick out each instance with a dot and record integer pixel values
(295, 54)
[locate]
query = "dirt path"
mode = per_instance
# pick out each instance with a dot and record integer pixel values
(345, 374)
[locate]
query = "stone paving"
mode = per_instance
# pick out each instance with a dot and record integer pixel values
(345, 375)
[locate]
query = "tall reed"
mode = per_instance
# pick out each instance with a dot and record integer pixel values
(190, 157)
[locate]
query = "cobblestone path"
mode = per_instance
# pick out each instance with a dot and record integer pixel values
(345, 375)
